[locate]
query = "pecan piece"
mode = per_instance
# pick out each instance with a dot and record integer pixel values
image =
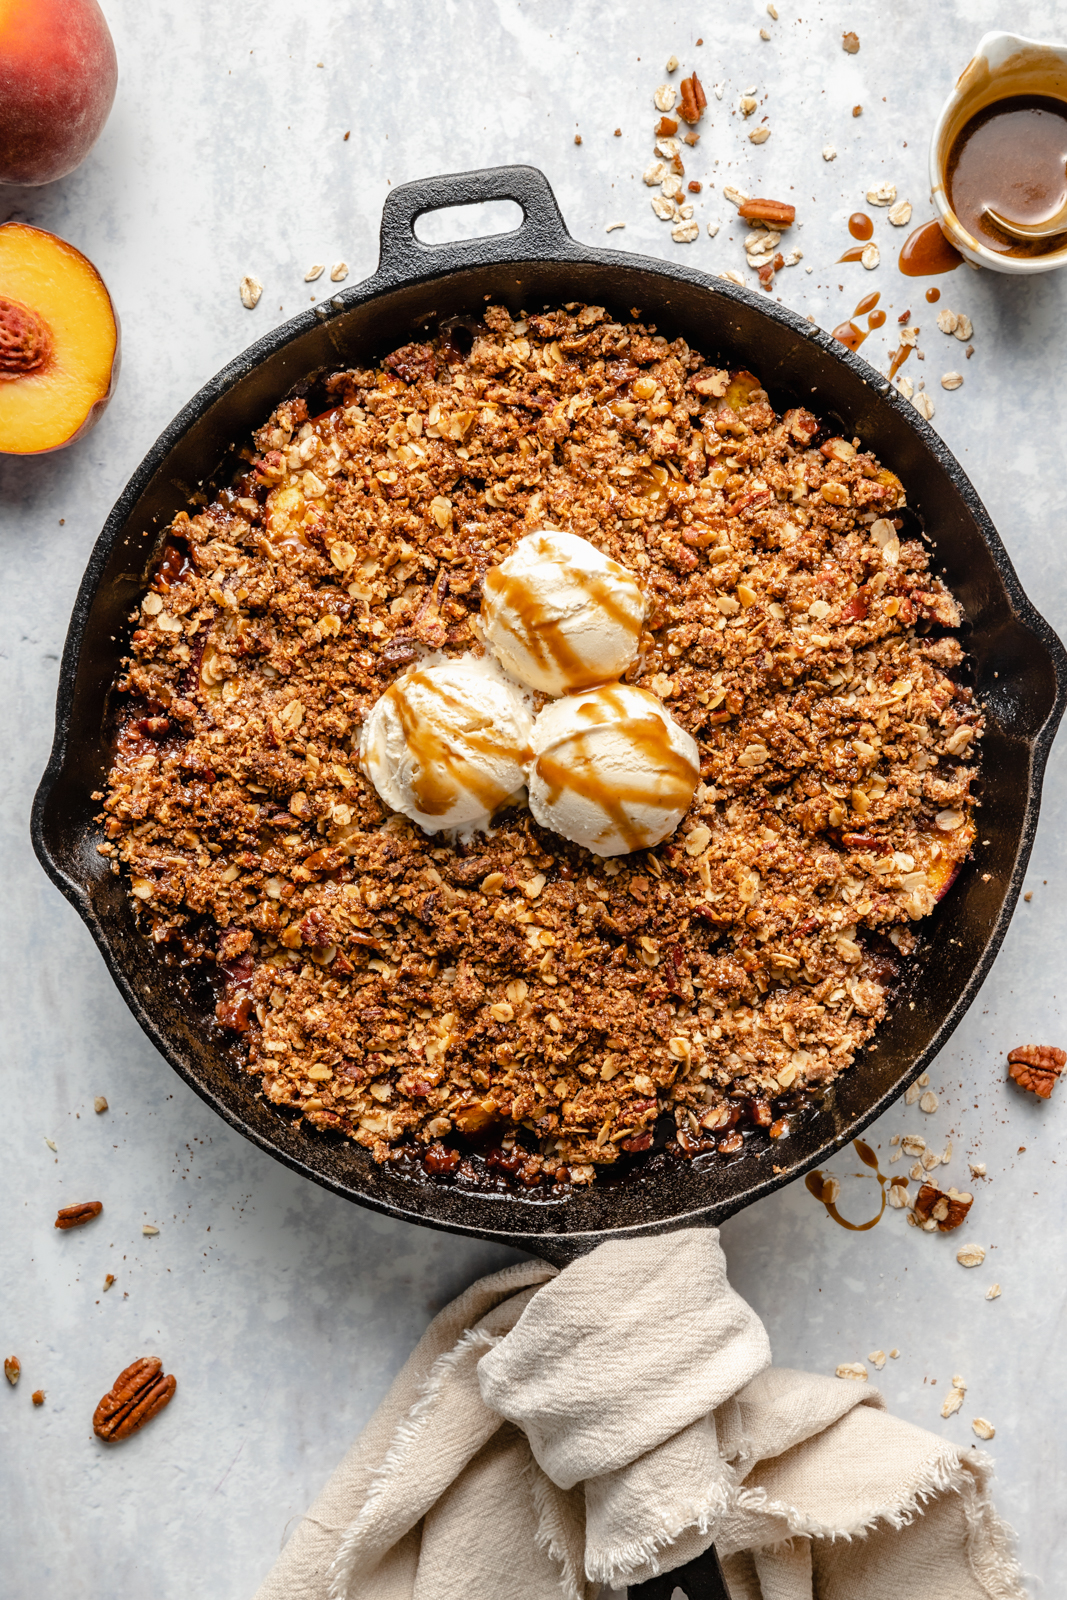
(136, 1396)
(75, 1216)
(1036, 1067)
(776, 211)
(12, 1368)
(947, 1209)
(692, 99)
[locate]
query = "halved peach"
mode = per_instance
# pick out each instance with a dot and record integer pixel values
(59, 342)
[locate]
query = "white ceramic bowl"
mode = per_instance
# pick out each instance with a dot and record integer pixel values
(1003, 64)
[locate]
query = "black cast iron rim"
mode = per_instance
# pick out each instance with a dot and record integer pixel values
(65, 843)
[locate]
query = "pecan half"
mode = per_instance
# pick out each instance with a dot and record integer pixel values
(776, 211)
(136, 1396)
(12, 1368)
(948, 1210)
(75, 1216)
(692, 99)
(1036, 1067)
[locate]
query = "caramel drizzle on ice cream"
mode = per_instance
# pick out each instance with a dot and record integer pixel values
(542, 634)
(441, 767)
(572, 764)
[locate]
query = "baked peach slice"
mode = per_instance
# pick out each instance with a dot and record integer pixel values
(59, 342)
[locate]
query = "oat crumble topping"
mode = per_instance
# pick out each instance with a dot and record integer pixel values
(516, 993)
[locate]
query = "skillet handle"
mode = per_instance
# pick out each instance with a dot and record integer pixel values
(700, 1579)
(542, 233)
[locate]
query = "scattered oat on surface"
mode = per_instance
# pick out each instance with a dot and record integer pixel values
(900, 214)
(877, 1359)
(772, 12)
(672, 64)
(149, 1228)
(871, 256)
(713, 227)
(51, 1143)
(314, 272)
(850, 43)
(970, 1255)
(764, 34)
(732, 277)
(736, 196)
(250, 291)
(954, 1399)
(952, 380)
(339, 272)
(912, 1093)
(929, 1102)
(993, 1292)
(686, 233)
(665, 97)
(883, 194)
(898, 1196)
(894, 1354)
(852, 1369)
(984, 1429)
(760, 135)
(654, 175)
(947, 320)
(612, 226)
(829, 153)
(964, 329)
(923, 405)
(99, 1104)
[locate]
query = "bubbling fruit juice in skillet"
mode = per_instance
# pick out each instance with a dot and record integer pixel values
(549, 752)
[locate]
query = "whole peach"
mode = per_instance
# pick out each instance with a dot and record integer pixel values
(57, 80)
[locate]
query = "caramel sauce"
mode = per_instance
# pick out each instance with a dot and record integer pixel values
(898, 358)
(1012, 155)
(573, 765)
(853, 255)
(926, 252)
(847, 333)
(820, 1187)
(860, 225)
(543, 636)
(933, 294)
(440, 769)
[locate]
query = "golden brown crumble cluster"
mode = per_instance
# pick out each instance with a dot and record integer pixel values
(517, 994)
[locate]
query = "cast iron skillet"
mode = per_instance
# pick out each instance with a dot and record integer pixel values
(1021, 680)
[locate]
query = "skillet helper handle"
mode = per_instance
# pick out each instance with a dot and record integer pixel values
(700, 1579)
(541, 233)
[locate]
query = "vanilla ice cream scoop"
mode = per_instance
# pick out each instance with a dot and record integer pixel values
(560, 615)
(611, 769)
(448, 742)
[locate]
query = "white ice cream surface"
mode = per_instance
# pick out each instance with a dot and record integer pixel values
(447, 743)
(560, 615)
(611, 769)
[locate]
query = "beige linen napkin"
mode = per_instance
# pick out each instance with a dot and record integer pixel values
(553, 1432)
